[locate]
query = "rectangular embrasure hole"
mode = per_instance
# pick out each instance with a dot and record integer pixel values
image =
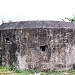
(6, 40)
(43, 48)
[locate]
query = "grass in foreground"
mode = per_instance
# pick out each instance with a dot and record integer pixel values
(14, 71)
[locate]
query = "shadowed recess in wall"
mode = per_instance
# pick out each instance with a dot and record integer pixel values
(12, 51)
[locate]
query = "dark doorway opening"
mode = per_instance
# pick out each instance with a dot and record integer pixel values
(0, 58)
(43, 48)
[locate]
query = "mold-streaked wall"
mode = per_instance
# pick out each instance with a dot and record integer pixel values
(22, 48)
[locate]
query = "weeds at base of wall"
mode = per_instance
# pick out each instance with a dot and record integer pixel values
(14, 71)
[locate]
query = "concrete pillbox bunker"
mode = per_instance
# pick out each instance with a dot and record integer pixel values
(40, 45)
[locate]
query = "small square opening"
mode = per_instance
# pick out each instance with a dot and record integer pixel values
(43, 48)
(6, 40)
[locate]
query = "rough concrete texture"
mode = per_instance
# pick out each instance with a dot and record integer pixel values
(38, 48)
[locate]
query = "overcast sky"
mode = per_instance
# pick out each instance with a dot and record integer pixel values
(20, 10)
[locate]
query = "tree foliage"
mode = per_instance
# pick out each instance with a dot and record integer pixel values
(9, 21)
(72, 20)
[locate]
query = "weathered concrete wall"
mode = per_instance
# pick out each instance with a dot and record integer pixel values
(39, 48)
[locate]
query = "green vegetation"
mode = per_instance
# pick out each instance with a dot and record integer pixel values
(14, 71)
(72, 20)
